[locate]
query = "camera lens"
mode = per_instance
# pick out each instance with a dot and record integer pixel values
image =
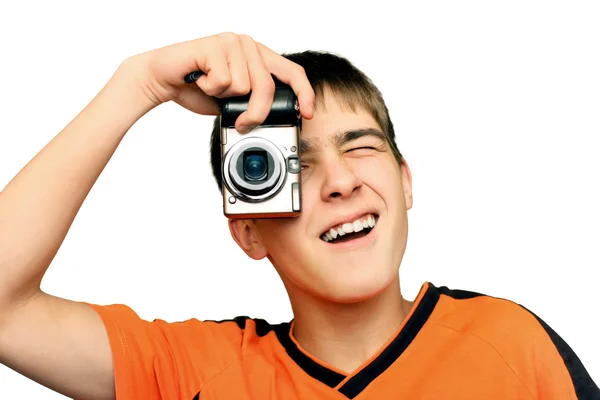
(255, 166)
(254, 169)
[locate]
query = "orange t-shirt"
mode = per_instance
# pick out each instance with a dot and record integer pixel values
(453, 345)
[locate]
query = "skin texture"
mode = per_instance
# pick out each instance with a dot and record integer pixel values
(354, 291)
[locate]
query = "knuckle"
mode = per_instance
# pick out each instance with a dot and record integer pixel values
(299, 70)
(228, 37)
(268, 88)
(244, 38)
(221, 80)
(264, 83)
(239, 88)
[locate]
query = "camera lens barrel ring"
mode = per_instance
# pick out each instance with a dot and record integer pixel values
(254, 192)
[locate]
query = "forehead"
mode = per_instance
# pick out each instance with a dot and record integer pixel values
(332, 118)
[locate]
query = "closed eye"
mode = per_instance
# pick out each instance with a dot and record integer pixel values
(362, 148)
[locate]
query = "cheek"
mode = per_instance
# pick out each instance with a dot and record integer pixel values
(281, 236)
(289, 251)
(383, 176)
(273, 233)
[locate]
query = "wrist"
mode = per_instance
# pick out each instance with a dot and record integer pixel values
(126, 91)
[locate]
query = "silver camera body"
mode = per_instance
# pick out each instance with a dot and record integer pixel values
(261, 168)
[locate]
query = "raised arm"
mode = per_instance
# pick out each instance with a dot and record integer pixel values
(60, 343)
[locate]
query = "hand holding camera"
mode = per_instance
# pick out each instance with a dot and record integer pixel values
(260, 90)
(233, 65)
(261, 169)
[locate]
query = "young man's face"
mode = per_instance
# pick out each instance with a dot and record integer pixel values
(349, 174)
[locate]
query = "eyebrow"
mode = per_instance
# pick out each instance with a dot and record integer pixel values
(341, 138)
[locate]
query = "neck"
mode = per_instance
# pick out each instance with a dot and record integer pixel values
(347, 335)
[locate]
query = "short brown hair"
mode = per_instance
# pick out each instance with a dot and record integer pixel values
(350, 86)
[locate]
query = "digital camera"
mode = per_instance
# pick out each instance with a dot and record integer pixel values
(261, 168)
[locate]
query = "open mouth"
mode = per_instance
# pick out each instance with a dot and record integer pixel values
(351, 230)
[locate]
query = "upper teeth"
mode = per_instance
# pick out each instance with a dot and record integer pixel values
(366, 221)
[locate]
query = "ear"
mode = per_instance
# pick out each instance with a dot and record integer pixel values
(406, 183)
(244, 232)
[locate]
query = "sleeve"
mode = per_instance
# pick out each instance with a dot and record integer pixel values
(160, 360)
(560, 374)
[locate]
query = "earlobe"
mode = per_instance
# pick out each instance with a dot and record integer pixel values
(244, 233)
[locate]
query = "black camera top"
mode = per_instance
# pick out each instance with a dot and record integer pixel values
(284, 111)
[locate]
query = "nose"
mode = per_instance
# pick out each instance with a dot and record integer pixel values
(340, 180)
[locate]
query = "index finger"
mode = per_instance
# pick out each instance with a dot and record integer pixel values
(293, 75)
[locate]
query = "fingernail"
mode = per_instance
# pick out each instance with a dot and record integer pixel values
(245, 128)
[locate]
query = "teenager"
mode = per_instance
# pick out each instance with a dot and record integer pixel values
(353, 334)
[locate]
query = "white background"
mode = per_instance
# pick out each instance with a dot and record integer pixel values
(496, 106)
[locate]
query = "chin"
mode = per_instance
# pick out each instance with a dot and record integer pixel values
(356, 288)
